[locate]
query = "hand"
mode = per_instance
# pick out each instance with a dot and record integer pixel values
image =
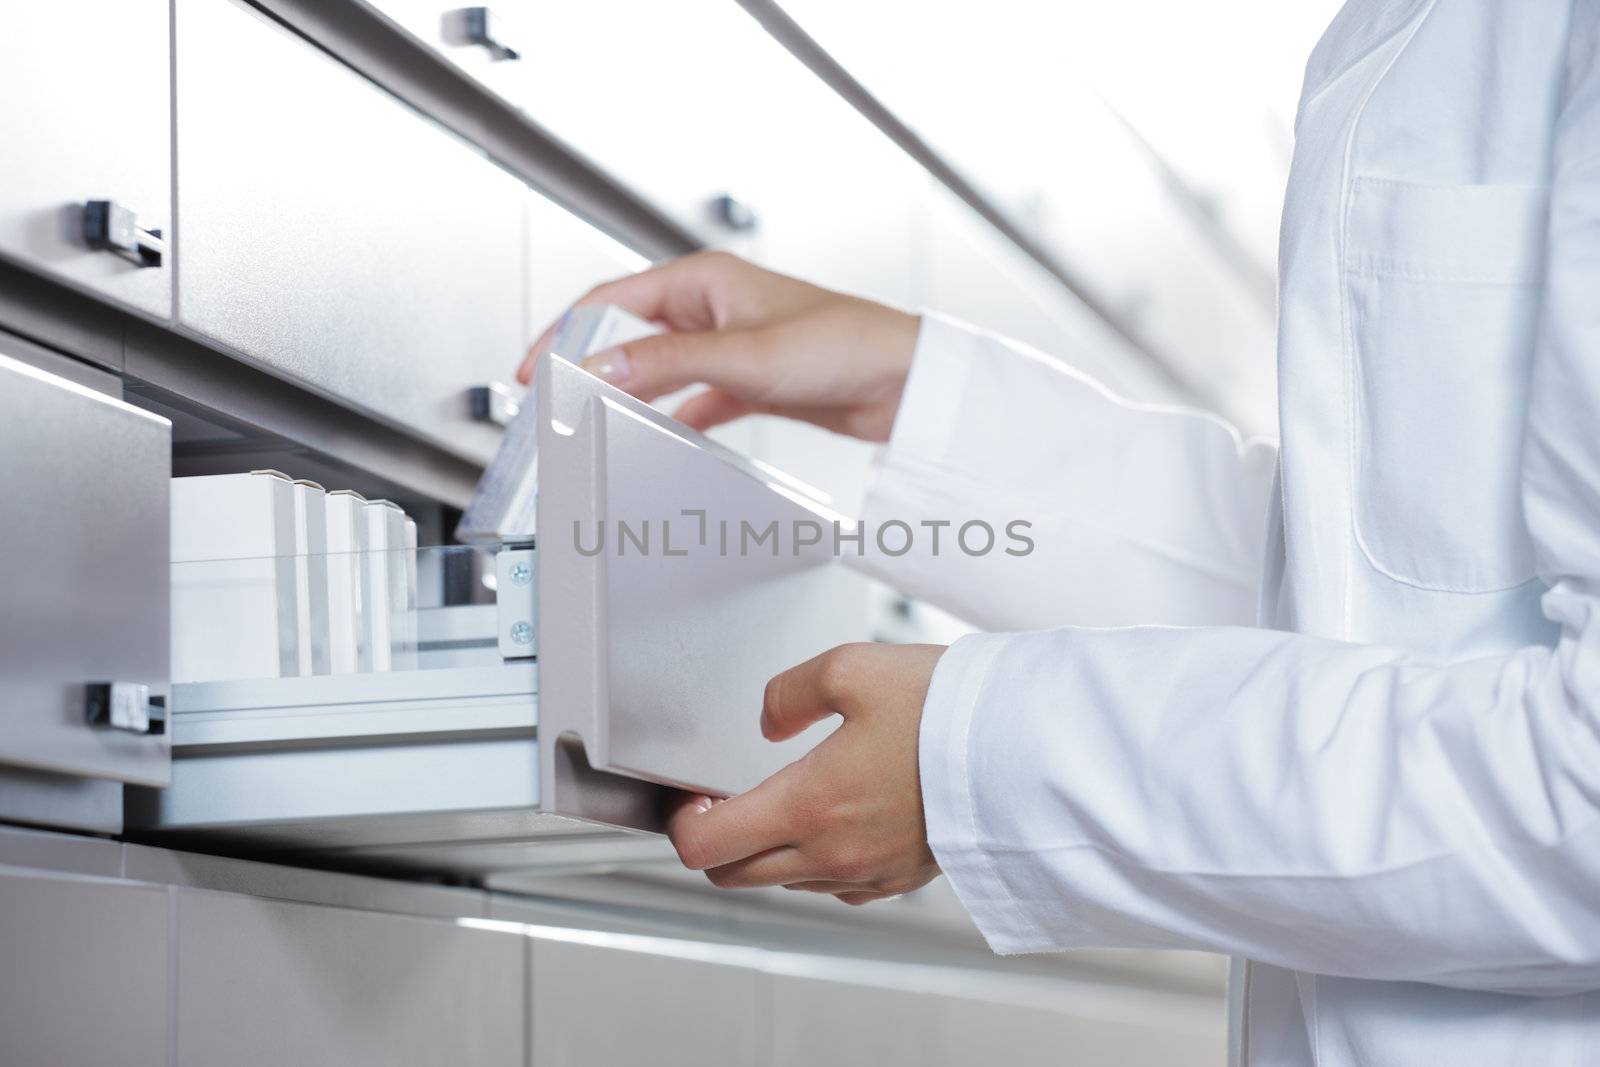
(765, 343)
(846, 818)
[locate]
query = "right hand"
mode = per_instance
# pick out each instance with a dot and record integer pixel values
(763, 342)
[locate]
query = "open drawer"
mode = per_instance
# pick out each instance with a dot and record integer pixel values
(491, 698)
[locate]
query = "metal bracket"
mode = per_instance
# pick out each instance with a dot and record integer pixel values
(493, 403)
(126, 706)
(110, 227)
(517, 602)
(479, 25)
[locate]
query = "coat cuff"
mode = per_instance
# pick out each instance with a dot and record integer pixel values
(950, 806)
(930, 407)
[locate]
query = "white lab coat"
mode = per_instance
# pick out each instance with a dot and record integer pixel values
(1362, 747)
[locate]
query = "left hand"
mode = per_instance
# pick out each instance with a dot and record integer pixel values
(846, 818)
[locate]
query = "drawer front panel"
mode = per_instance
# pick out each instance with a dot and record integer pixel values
(264, 982)
(654, 656)
(337, 238)
(88, 117)
(83, 562)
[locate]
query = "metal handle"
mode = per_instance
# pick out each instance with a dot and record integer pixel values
(110, 227)
(493, 403)
(126, 706)
(734, 213)
(480, 26)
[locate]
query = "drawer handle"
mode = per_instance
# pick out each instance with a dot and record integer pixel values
(479, 26)
(110, 227)
(493, 403)
(126, 706)
(734, 213)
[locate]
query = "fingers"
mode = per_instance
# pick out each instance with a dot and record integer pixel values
(733, 829)
(711, 408)
(679, 293)
(849, 892)
(809, 693)
(729, 360)
(777, 866)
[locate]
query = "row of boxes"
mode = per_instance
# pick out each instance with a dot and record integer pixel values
(274, 577)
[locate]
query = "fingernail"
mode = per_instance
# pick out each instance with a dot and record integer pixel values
(702, 804)
(611, 364)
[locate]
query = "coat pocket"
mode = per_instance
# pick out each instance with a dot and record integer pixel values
(1444, 286)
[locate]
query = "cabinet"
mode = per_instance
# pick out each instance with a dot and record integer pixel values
(337, 238)
(271, 982)
(489, 43)
(813, 188)
(83, 562)
(85, 977)
(598, 1003)
(653, 652)
(87, 86)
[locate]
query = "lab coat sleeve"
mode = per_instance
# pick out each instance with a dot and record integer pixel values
(1103, 512)
(1333, 808)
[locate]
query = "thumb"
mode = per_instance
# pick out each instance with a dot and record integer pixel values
(729, 360)
(809, 693)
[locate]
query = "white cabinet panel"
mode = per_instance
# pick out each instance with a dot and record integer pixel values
(498, 56)
(87, 117)
(1024, 1021)
(268, 983)
(726, 110)
(594, 1005)
(337, 238)
(656, 654)
(83, 972)
(566, 258)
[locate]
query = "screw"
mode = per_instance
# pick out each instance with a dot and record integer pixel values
(522, 633)
(521, 574)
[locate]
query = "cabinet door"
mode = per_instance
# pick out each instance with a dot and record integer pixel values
(674, 581)
(87, 117)
(726, 110)
(601, 1003)
(337, 238)
(566, 258)
(83, 573)
(264, 982)
(491, 47)
(85, 974)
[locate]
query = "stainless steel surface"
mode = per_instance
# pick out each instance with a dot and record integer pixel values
(61, 853)
(270, 983)
(88, 86)
(83, 561)
(678, 1011)
(449, 85)
(257, 420)
(85, 374)
(332, 235)
(275, 881)
(84, 978)
(295, 763)
(483, 27)
(657, 664)
(42, 798)
(727, 109)
(808, 51)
